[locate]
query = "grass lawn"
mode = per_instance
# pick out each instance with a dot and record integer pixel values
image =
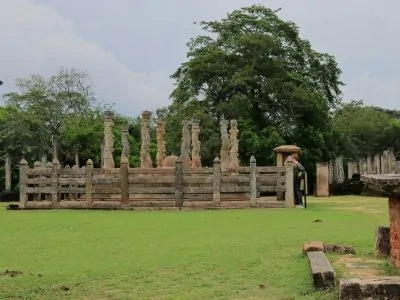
(177, 255)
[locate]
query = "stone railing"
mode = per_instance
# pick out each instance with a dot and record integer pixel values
(87, 187)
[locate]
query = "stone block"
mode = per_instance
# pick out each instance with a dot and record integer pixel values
(382, 241)
(370, 288)
(313, 246)
(323, 274)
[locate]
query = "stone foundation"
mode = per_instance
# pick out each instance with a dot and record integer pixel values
(394, 217)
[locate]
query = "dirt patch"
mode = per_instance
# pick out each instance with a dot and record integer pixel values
(11, 273)
(359, 267)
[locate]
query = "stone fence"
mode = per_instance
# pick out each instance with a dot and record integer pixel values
(334, 171)
(128, 188)
(380, 163)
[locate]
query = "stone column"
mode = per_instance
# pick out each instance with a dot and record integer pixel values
(253, 182)
(108, 159)
(331, 172)
(350, 169)
(234, 143)
(385, 163)
(282, 154)
(125, 143)
(322, 189)
(160, 143)
(196, 159)
(339, 170)
(377, 163)
(225, 145)
(289, 183)
(185, 146)
(370, 166)
(145, 158)
(392, 161)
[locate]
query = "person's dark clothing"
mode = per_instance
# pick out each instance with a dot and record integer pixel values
(299, 173)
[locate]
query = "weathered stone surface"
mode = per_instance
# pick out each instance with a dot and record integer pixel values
(125, 143)
(108, 159)
(313, 246)
(185, 146)
(322, 179)
(169, 161)
(160, 143)
(225, 145)
(196, 159)
(339, 249)
(321, 269)
(234, 152)
(382, 241)
(394, 217)
(145, 158)
(371, 288)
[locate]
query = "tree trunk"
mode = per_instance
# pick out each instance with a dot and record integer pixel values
(382, 241)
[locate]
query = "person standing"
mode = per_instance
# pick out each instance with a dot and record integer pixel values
(299, 174)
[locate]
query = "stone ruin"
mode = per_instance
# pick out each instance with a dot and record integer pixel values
(190, 144)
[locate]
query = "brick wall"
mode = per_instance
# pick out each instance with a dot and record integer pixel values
(394, 217)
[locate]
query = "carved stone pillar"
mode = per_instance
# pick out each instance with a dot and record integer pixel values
(225, 146)
(125, 142)
(185, 146)
(145, 158)
(160, 143)
(108, 159)
(196, 159)
(234, 152)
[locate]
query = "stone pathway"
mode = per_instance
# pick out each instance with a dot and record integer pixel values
(357, 267)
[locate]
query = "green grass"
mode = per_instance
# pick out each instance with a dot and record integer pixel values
(177, 255)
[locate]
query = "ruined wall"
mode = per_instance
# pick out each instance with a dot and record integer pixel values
(394, 217)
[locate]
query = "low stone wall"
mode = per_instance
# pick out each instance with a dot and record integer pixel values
(124, 187)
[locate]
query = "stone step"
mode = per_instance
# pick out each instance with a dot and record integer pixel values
(321, 269)
(370, 288)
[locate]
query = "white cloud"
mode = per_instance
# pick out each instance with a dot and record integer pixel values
(39, 40)
(129, 47)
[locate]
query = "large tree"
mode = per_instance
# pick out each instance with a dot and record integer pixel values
(53, 102)
(255, 67)
(366, 130)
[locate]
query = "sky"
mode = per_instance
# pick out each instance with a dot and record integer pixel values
(130, 47)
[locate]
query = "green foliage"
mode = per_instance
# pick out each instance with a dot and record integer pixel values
(366, 130)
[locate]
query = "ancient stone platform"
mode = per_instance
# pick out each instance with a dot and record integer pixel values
(370, 288)
(322, 271)
(387, 183)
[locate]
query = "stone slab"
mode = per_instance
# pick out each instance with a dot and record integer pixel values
(383, 182)
(321, 269)
(370, 288)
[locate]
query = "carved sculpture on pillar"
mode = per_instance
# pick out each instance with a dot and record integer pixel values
(145, 158)
(225, 145)
(185, 147)
(160, 143)
(108, 159)
(196, 159)
(125, 143)
(234, 143)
